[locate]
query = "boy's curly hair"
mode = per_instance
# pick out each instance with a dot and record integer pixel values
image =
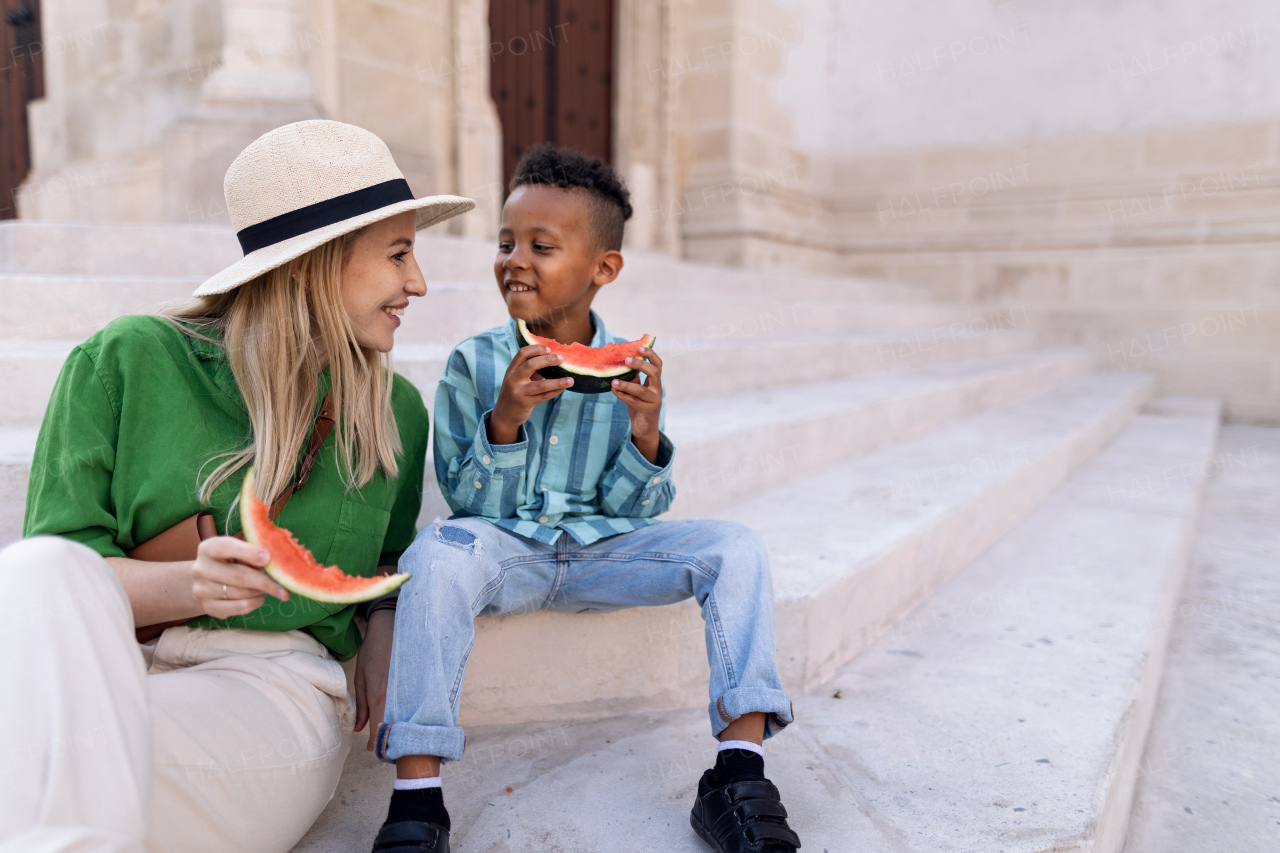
(554, 166)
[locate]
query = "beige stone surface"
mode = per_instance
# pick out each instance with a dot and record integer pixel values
(1007, 712)
(732, 128)
(1212, 762)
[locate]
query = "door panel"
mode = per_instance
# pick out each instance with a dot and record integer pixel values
(552, 75)
(21, 81)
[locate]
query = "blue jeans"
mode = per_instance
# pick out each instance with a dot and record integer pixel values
(468, 567)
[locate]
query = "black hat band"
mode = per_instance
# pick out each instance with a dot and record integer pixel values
(277, 229)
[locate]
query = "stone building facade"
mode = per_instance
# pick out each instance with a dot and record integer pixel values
(1114, 171)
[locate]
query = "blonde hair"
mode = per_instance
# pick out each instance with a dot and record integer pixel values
(280, 330)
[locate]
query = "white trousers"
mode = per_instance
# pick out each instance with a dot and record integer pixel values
(223, 740)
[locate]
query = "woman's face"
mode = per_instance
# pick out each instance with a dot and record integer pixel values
(378, 278)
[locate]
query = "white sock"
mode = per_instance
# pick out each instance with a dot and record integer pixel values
(417, 784)
(742, 744)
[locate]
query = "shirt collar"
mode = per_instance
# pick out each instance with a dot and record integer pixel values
(599, 336)
(207, 350)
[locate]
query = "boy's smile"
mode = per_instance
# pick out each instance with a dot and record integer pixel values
(549, 263)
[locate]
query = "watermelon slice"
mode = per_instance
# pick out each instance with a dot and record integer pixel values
(593, 368)
(292, 565)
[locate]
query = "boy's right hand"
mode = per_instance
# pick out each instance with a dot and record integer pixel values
(522, 390)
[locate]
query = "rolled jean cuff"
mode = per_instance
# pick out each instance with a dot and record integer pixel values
(396, 740)
(774, 704)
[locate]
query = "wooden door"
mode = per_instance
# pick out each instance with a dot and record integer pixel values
(21, 81)
(552, 75)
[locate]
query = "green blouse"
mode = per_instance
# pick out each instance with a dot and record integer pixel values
(136, 419)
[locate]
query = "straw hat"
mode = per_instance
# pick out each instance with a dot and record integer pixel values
(300, 185)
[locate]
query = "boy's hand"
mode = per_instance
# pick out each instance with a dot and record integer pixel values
(522, 389)
(644, 402)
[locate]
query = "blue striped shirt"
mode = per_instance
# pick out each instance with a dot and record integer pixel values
(573, 467)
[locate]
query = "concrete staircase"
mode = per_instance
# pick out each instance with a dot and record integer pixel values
(975, 541)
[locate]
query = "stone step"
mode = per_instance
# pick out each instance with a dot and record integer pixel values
(199, 251)
(697, 368)
(852, 548)
(632, 312)
(28, 370)
(1006, 713)
(734, 445)
(694, 368)
(90, 248)
(16, 448)
(73, 306)
(1010, 711)
(737, 445)
(1211, 772)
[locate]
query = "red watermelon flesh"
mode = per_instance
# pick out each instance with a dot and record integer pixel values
(592, 368)
(292, 566)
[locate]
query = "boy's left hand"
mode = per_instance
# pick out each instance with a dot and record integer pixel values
(644, 402)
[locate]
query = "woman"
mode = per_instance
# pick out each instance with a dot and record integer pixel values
(228, 732)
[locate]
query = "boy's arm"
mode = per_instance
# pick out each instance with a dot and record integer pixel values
(477, 478)
(634, 487)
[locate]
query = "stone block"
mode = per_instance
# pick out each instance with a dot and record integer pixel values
(840, 576)
(1189, 149)
(1082, 161)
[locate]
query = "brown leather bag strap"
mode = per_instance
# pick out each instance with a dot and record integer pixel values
(181, 541)
(319, 433)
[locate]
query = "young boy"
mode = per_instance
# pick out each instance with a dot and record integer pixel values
(555, 495)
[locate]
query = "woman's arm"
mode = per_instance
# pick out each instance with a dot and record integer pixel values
(165, 592)
(372, 667)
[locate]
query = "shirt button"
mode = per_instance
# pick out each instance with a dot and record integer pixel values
(486, 459)
(657, 480)
(543, 520)
(478, 486)
(553, 440)
(644, 502)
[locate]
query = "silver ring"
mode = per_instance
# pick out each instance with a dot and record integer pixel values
(224, 591)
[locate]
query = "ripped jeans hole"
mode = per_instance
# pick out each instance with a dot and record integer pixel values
(459, 537)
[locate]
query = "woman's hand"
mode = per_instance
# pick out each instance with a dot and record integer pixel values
(227, 578)
(372, 666)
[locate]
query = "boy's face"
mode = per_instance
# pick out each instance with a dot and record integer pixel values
(549, 263)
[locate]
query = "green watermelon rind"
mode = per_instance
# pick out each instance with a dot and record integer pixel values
(585, 379)
(281, 575)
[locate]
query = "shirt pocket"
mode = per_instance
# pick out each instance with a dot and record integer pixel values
(357, 544)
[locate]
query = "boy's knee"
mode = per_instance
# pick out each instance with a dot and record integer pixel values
(736, 543)
(448, 553)
(444, 541)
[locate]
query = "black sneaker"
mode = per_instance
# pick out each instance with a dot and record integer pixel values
(742, 817)
(412, 836)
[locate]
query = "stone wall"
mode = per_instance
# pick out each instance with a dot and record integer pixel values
(147, 103)
(116, 76)
(1111, 170)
